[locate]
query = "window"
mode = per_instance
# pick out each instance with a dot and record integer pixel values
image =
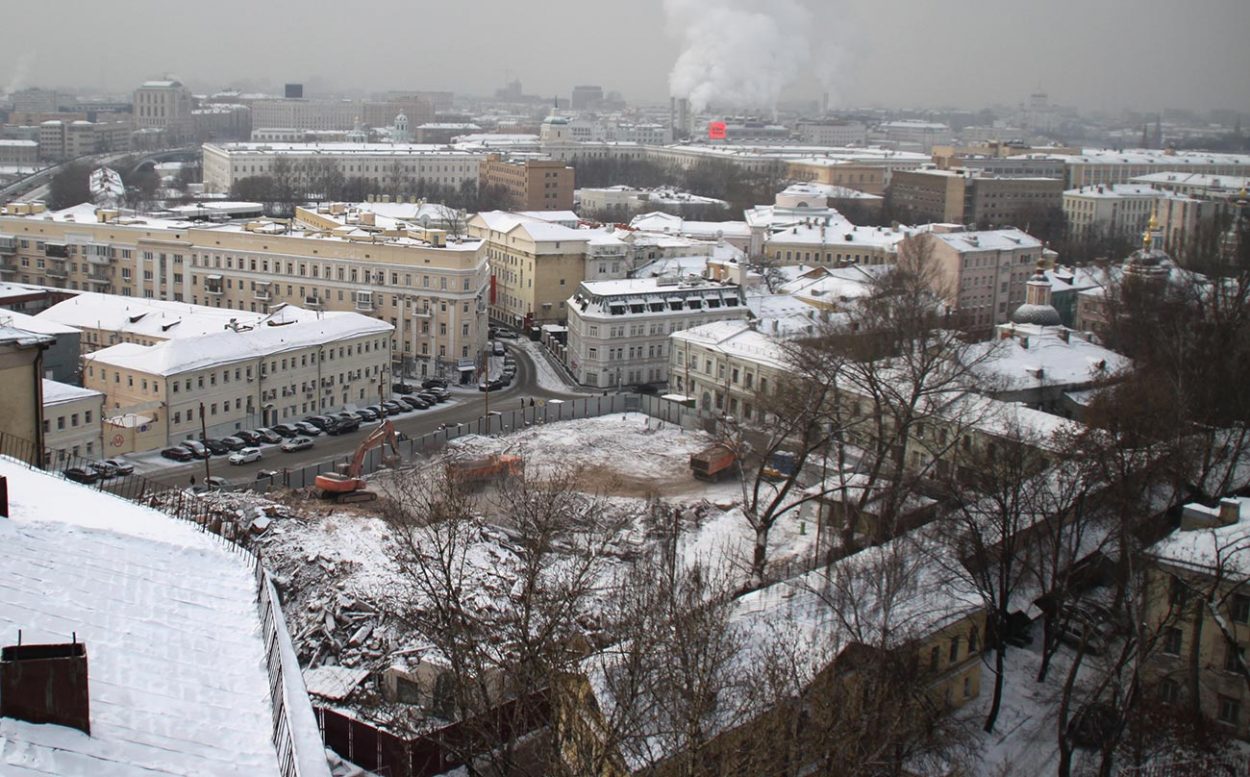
(1169, 691)
(1234, 656)
(1241, 608)
(954, 654)
(935, 658)
(1172, 641)
(1229, 710)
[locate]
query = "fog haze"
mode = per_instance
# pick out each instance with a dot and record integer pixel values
(965, 53)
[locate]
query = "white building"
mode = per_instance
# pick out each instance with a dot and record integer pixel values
(72, 423)
(619, 330)
(727, 367)
(627, 200)
(1109, 210)
(912, 134)
(164, 105)
(830, 132)
(386, 164)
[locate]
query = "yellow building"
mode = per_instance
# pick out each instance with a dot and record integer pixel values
(535, 266)
(21, 393)
(1199, 606)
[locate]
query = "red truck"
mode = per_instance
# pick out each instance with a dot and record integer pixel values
(712, 463)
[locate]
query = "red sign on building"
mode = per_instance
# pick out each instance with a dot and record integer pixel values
(716, 130)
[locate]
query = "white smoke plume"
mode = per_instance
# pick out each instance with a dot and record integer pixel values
(21, 71)
(738, 52)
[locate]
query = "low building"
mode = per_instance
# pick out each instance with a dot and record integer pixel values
(622, 202)
(727, 367)
(21, 154)
(1198, 606)
(165, 646)
(21, 392)
(619, 330)
(73, 423)
(245, 376)
(529, 184)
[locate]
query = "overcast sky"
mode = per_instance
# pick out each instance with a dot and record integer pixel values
(896, 53)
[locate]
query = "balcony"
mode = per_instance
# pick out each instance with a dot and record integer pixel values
(312, 303)
(99, 279)
(213, 286)
(262, 294)
(59, 272)
(364, 303)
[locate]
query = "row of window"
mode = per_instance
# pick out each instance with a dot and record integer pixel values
(70, 421)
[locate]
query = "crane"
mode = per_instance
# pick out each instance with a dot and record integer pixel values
(349, 486)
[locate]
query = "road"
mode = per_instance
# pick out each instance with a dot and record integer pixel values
(464, 407)
(35, 186)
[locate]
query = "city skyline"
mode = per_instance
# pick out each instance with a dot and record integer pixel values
(1110, 56)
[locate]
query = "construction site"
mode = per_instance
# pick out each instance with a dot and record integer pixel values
(342, 554)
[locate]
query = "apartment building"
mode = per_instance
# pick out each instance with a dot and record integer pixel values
(19, 153)
(433, 290)
(530, 184)
(1092, 167)
(619, 330)
(963, 196)
(388, 165)
(1198, 605)
(982, 275)
(164, 105)
(535, 265)
(245, 376)
(1110, 210)
(831, 132)
(331, 114)
(73, 423)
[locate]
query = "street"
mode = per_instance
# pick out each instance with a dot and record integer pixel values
(464, 407)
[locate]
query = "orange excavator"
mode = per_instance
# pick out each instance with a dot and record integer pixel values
(349, 486)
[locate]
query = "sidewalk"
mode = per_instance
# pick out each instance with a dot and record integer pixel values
(549, 373)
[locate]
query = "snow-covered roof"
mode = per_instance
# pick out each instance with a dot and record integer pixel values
(1229, 183)
(1218, 547)
(169, 619)
(736, 339)
(668, 223)
(1164, 157)
(42, 326)
(673, 265)
(988, 240)
(172, 357)
(22, 338)
(55, 392)
(338, 149)
(157, 319)
(1046, 360)
(566, 217)
(1116, 191)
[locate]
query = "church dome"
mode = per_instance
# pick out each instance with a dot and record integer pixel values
(1040, 315)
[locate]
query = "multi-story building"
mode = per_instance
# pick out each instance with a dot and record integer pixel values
(221, 121)
(21, 390)
(535, 265)
(529, 184)
(164, 105)
(394, 166)
(1092, 167)
(1111, 210)
(1222, 187)
(831, 132)
(981, 275)
(19, 153)
(965, 197)
(912, 134)
(73, 423)
(1198, 606)
(586, 97)
(619, 330)
(245, 376)
(60, 357)
(60, 140)
(727, 367)
(431, 288)
(342, 115)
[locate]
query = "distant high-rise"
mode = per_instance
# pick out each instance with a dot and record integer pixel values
(586, 97)
(293, 91)
(164, 105)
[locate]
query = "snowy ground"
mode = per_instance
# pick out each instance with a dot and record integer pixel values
(548, 376)
(336, 562)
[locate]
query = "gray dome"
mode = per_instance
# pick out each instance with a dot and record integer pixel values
(1041, 315)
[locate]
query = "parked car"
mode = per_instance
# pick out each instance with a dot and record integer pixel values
(416, 403)
(286, 431)
(213, 483)
(394, 408)
(498, 349)
(178, 453)
(378, 411)
(247, 436)
(233, 443)
(367, 414)
(440, 394)
(245, 456)
(402, 388)
(216, 447)
(268, 435)
(122, 466)
(319, 421)
(270, 475)
(81, 474)
(306, 429)
(103, 469)
(429, 397)
(343, 426)
(493, 385)
(433, 383)
(297, 444)
(197, 449)
(506, 334)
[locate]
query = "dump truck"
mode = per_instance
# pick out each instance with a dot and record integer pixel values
(780, 466)
(712, 463)
(480, 471)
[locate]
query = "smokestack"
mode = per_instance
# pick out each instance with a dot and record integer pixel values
(46, 684)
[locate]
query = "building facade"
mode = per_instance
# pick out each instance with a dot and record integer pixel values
(982, 275)
(529, 184)
(966, 197)
(432, 290)
(72, 423)
(535, 266)
(619, 330)
(164, 105)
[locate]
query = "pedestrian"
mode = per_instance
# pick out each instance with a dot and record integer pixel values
(193, 481)
(531, 401)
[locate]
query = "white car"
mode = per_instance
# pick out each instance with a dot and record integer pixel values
(244, 456)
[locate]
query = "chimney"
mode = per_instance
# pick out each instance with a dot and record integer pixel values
(1063, 334)
(1230, 512)
(46, 684)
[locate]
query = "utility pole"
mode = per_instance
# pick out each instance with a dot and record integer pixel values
(203, 437)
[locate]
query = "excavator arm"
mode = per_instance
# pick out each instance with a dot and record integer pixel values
(384, 434)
